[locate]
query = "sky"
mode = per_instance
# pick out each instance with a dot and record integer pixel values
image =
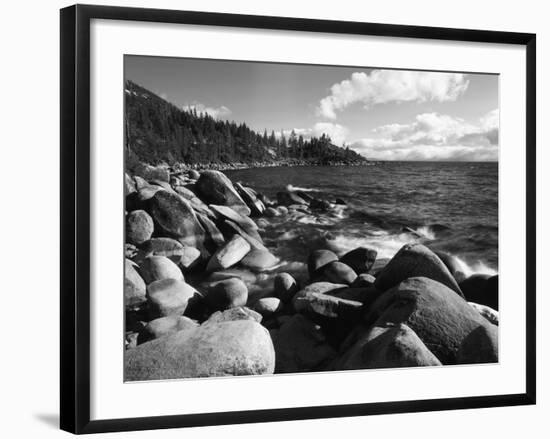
(382, 114)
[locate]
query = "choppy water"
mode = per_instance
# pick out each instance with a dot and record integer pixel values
(453, 207)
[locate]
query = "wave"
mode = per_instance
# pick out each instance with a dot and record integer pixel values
(477, 268)
(292, 188)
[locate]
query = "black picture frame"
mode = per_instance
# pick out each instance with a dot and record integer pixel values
(75, 217)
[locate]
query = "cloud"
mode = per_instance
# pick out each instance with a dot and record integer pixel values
(434, 136)
(216, 112)
(336, 132)
(383, 86)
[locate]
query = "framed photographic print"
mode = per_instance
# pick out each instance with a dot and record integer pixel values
(284, 218)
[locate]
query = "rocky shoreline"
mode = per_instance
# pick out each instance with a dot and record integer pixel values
(205, 297)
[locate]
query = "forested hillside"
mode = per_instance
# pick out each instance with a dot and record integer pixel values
(159, 132)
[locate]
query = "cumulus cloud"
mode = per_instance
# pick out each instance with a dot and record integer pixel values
(434, 136)
(216, 112)
(336, 132)
(383, 86)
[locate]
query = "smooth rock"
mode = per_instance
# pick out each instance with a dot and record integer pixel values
(316, 300)
(166, 247)
(232, 229)
(285, 287)
(164, 326)
(489, 313)
(229, 293)
(300, 346)
(289, 198)
(214, 238)
(241, 347)
(230, 254)
(156, 268)
(256, 206)
(391, 345)
(259, 260)
(215, 188)
(363, 280)
(318, 259)
(480, 346)
(134, 286)
(174, 218)
(195, 175)
(338, 273)
(482, 289)
(190, 258)
(231, 314)
(268, 306)
(360, 259)
(224, 212)
(440, 317)
(415, 260)
(170, 297)
(271, 212)
(139, 227)
(129, 185)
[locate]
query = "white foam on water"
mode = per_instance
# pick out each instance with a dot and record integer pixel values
(426, 232)
(291, 188)
(385, 244)
(478, 268)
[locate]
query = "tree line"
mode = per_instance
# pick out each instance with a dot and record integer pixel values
(159, 132)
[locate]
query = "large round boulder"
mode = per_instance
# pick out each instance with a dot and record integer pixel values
(139, 227)
(482, 289)
(168, 297)
(175, 218)
(165, 326)
(259, 260)
(240, 347)
(392, 345)
(230, 254)
(167, 247)
(318, 259)
(440, 317)
(228, 293)
(214, 187)
(159, 267)
(360, 259)
(268, 306)
(415, 260)
(480, 346)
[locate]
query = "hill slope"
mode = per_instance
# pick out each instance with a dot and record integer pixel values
(159, 132)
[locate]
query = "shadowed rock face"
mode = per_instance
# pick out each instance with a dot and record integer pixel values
(241, 347)
(440, 317)
(175, 218)
(392, 345)
(415, 260)
(480, 346)
(134, 286)
(215, 188)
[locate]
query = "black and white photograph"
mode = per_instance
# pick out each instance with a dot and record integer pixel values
(294, 218)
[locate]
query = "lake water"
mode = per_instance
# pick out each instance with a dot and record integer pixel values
(453, 207)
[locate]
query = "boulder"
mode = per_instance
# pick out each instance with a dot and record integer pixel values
(129, 185)
(165, 326)
(289, 198)
(241, 347)
(318, 259)
(214, 187)
(451, 262)
(193, 174)
(155, 268)
(440, 317)
(480, 346)
(230, 254)
(163, 184)
(148, 172)
(225, 294)
(134, 286)
(190, 258)
(140, 182)
(338, 273)
(231, 314)
(316, 300)
(138, 200)
(360, 259)
(285, 287)
(139, 227)
(300, 346)
(256, 206)
(195, 202)
(174, 218)
(214, 238)
(363, 280)
(489, 313)
(482, 289)
(391, 345)
(268, 306)
(259, 260)
(231, 229)
(318, 204)
(168, 297)
(415, 260)
(244, 275)
(271, 212)
(224, 212)
(167, 247)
